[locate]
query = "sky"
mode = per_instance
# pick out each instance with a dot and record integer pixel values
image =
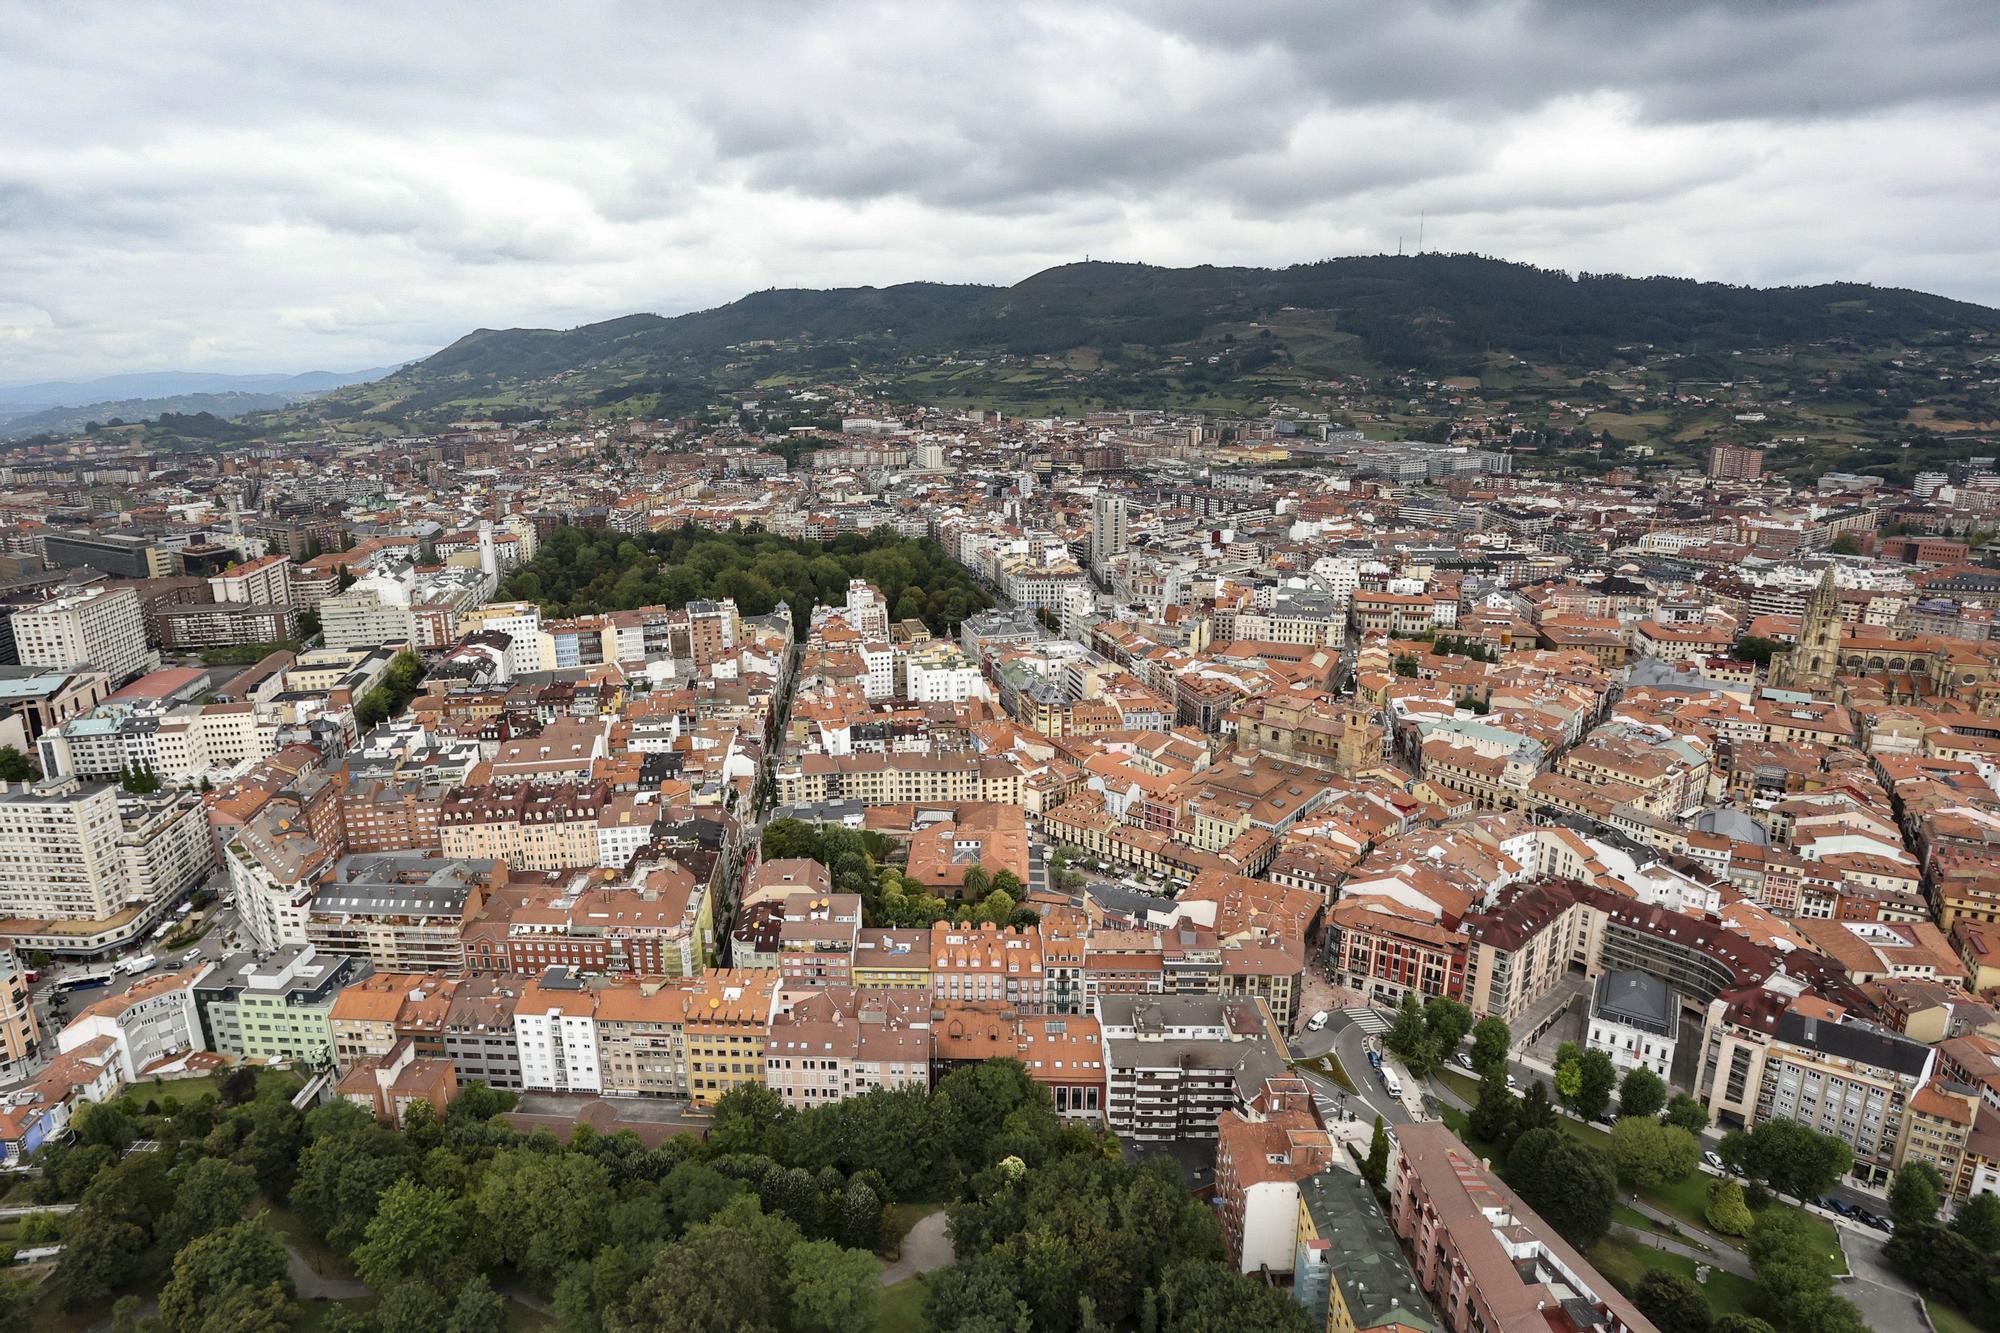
(293, 187)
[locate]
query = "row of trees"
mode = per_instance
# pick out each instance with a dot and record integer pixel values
(578, 572)
(1961, 1262)
(1574, 1187)
(1426, 1034)
(769, 1223)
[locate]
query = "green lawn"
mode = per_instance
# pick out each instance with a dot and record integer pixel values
(1461, 1083)
(1686, 1199)
(1328, 1065)
(900, 1309)
(1947, 1319)
(1625, 1261)
(187, 1090)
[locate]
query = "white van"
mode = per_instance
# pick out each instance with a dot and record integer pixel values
(1317, 1021)
(1392, 1085)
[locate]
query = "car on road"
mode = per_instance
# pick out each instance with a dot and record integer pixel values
(1713, 1159)
(1842, 1206)
(1868, 1219)
(1464, 1060)
(1513, 1082)
(192, 955)
(1374, 1059)
(1317, 1021)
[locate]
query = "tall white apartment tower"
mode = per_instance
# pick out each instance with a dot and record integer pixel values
(1109, 530)
(101, 626)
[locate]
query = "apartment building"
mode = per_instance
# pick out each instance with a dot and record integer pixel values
(655, 922)
(401, 911)
(20, 1029)
(988, 962)
(531, 826)
(275, 866)
(265, 581)
(1768, 1056)
(1485, 1259)
(1062, 1053)
(840, 1042)
(1348, 1271)
(641, 1039)
(898, 779)
(201, 625)
(892, 959)
(727, 1015)
(370, 1018)
(1175, 1064)
(555, 1030)
(84, 867)
(816, 942)
(101, 626)
(1263, 1152)
(155, 1021)
(479, 1031)
(278, 1010)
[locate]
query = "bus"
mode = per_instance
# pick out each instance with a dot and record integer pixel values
(88, 979)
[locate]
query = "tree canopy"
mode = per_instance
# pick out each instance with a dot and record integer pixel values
(578, 571)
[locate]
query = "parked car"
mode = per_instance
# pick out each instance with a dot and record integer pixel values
(1713, 1159)
(1374, 1059)
(1513, 1082)
(1464, 1060)
(1843, 1207)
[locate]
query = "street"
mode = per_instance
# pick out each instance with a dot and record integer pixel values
(51, 1015)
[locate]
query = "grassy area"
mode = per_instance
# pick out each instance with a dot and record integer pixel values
(1686, 1200)
(1946, 1318)
(190, 1089)
(900, 1308)
(1328, 1065)
(1625, 1261)
(1461, 1083)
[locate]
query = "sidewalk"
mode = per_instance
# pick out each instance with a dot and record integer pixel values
(1729, 1261)
(1727, 1253)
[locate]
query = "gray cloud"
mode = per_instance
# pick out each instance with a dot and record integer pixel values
(240, 186)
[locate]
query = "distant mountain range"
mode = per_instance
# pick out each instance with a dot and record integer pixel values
(1138, 328)
(60, 406)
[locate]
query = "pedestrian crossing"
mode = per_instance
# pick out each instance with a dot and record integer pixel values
(1371, 1021)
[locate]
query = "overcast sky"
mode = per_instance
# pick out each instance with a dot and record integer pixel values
(292, 187)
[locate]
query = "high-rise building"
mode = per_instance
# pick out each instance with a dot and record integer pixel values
(101, 626)
(74, 851)
(1735, 462)
(59, 850)
(1110, 531)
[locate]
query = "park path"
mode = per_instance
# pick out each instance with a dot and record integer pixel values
(925, 1249)
(313, 1287)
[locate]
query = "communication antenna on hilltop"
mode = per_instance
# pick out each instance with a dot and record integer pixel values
(1420, 231)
